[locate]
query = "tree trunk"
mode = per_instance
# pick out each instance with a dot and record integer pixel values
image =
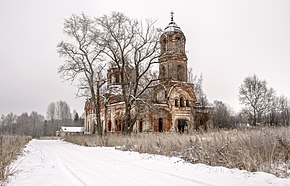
(255, 118)
(106, 119)
(127, 118)
(98, 115)
(96, 101)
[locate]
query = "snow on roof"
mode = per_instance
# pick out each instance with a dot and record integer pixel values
(161, 104)
(114, 89)
(72, 129)
(172, 27)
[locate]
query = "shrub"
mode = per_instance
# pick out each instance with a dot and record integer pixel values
(10, 148)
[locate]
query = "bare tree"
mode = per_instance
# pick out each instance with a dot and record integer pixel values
(132, 47)
(242, 118)
(271, 114)
(190, 77)
(83, 61)
(279, 112)
(221, 116)
(9, 123)
(50, 126)
(284, 110)
(63, 111)
(256, 96)
(51, 112)
(23, 124)
(57, 114)
(36, 124)
(201, 97)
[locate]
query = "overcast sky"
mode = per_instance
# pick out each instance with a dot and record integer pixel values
(227, 40)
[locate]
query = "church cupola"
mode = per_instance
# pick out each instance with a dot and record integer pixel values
(173, 60)
(172, 40)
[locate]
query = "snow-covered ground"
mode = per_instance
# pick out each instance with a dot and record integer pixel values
(55, 162)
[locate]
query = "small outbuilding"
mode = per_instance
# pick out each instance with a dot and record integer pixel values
(66, 131)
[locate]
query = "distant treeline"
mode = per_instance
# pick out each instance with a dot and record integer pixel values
(35, 125)
(262, 107)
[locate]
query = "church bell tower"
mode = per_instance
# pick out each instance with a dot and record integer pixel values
(173, 60)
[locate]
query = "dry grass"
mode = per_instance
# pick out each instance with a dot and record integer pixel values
(10, 148)
(262, 149)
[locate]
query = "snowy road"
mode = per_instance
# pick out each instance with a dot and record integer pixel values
(55, 162)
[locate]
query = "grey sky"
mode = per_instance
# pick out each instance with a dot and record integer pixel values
(227, 40)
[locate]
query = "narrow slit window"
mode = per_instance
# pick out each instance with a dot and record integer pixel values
(176, 102)
(182, 102)
(187, 103)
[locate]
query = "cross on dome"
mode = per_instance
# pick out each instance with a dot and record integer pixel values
(172, 26)
(172, 15)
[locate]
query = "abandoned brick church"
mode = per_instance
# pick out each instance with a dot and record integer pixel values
(174, 99)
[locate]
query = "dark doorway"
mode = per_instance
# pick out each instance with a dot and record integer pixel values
(119, 125)
(181, 125)
(160, 125)
(109, 126)
(140, 125)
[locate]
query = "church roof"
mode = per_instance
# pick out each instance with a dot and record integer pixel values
(172, 26)
(72, 129)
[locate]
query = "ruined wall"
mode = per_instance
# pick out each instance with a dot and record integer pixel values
(89, 117)
(161, 120)
(115, 119)
(89, 123)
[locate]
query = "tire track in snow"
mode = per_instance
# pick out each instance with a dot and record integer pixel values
(48, 163)
(104, 165)
(67, 154)
(89, 166)
(66, 169)
(175, 176)
(71, 174)
(151, 171)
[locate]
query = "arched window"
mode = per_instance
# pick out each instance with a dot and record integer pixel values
(110, 79)
(117, 81)
(163, 49)
(177, 43)
(187, 103)
(176, 102)
(182, 102)
(180, 73)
